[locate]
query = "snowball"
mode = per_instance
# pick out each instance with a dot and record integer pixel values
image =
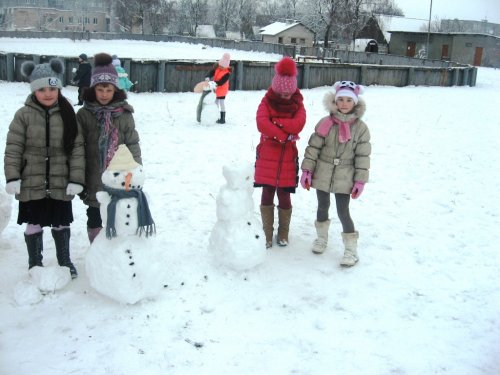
(50, 279)
(26, 293)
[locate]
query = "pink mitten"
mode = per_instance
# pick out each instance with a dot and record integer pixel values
(306, 179)
(357, 189)
(325, 126)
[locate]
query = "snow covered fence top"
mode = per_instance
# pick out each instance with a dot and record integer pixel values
(183, 75)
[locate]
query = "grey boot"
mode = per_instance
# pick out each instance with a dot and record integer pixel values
(320, 243)
(34, 243)
(267, 214)
(61, 239)
(284, 217)
(350, 257)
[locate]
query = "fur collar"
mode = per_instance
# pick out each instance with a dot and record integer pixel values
(331, 107)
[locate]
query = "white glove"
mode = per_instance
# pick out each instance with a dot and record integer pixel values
(212, 85)
(13, 187)
(74, 189)
(73, 70)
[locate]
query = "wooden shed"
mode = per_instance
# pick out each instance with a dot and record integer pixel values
(289, 32)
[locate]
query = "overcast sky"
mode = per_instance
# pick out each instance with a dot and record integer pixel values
(476, 10)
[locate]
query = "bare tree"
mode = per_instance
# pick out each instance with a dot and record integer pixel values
(191, 14)
(322, 17)
(245, 14)
(386, 7)
(160, 14)
(435, 26)
(339, 19)
(133, 12)
(225, 11)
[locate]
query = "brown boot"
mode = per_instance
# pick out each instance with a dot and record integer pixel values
(267, 214)
(284, 217)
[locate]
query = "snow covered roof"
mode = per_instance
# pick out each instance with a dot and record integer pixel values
(393, 23)
(277, 27)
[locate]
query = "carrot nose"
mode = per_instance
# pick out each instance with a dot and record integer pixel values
(128, 177)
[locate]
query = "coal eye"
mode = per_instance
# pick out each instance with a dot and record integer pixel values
(116, 174)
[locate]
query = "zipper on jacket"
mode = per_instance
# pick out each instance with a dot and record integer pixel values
(278, 175)
(337, 156)
(47, 154)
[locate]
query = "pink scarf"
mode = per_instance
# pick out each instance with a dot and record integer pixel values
(344, 128)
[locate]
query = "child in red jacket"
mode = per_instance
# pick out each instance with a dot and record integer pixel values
(281, 116)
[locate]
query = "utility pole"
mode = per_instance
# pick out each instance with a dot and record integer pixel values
(428, 32)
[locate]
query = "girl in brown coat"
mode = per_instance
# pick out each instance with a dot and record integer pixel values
(106, 120)
(337, 161)
(45, 162)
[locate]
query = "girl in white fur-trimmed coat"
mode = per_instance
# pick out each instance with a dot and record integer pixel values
(337, 160)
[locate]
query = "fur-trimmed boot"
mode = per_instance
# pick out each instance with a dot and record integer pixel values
(320, 243)
(222, 119)
(267, 214)
(284, 217)
(61, 239)
(350, 257)
(92, 233)
(34, 243)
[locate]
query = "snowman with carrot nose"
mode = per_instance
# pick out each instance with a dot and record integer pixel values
(127, 271)
(124, 206)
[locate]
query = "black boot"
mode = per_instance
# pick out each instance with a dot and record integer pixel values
(34, 242)
(61, 239)
(222, 119)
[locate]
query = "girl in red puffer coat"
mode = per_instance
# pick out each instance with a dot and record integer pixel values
(281, 116)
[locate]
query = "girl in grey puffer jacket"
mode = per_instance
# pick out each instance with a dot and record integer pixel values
(337, 160)
(45, 162)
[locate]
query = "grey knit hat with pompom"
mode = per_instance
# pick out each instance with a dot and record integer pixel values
(44, 75)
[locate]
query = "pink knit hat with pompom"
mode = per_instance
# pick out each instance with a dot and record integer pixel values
(285, 79)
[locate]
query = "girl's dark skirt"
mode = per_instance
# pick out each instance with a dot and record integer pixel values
(46, 212)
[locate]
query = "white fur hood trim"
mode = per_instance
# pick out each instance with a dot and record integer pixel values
(331, 107)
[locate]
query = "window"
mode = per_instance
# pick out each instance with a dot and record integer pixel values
(293, 40)
(302, 41)
(71, 19)
(280, 40)
(61, 19)
(87, 20)
(95, 21)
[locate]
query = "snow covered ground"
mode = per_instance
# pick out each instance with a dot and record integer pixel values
(424, 298)
(135, 49)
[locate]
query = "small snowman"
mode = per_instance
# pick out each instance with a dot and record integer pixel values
(237, 240)
(120, 264)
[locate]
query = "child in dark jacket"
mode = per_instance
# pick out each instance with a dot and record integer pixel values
(281, 116)
(44, 162)
(82, 76)
(107, 121)
(337, 160)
